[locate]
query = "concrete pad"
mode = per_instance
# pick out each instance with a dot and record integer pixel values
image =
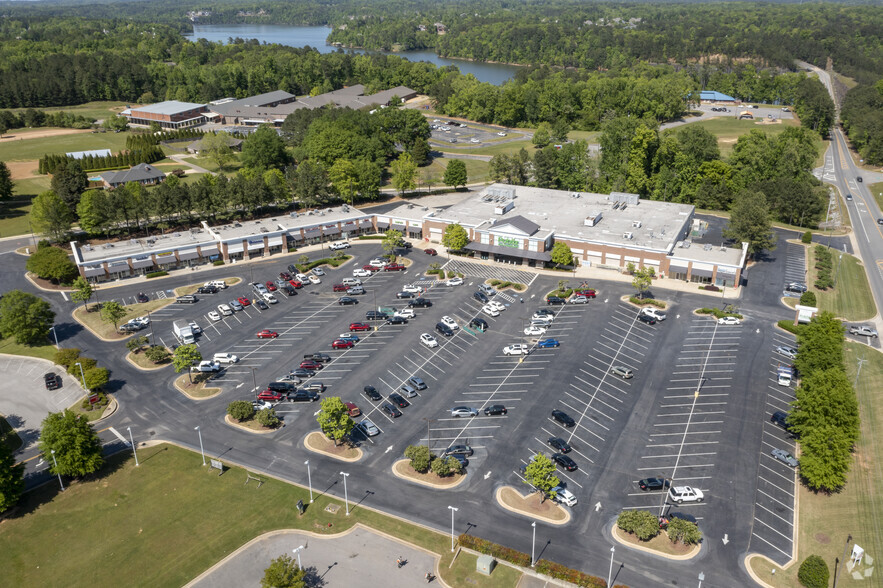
(360, 557)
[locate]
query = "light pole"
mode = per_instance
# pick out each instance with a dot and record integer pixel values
(428, 432)
(255, 382)
(132, 441)
(297, 551)
(201, 450)
(82, 375)
(453, 510)
(309, 480)
(701, 577)
(54, 334)
(56, 471)
(534, 544)
(610, 572)
(346, 499)
(152, 334)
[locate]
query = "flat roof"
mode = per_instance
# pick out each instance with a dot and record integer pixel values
(282, 224)
(168, 107)
(411, 212)
(646, 224)
(705, 252)
(145, 246)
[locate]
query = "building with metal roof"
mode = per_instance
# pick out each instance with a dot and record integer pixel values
(169, 115)
(712, 96)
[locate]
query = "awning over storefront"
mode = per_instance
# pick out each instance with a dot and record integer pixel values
(275, 241)
(142, 262)
(91, 272)
(722, 270)
(398, 227)
(235, 247)
(256, 244)
(209, 250)
(702, 273)
(382, 225)
(332, 231)
(679, 267)
(187, 254)
(510, 251)
(117, 267)
(366, 222)
(166, 259)
(312, 234)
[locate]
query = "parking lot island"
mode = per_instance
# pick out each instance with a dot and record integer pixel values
(251, 426)
(402, 469)
(319, 443)
(660, 545)
(198, 389)
(532, 506)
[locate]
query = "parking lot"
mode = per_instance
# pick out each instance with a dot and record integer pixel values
(468, 134)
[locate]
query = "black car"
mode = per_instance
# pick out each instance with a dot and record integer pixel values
(560, 444)
(141, 297)
(545, 312)
(481, 297)
(444, 329)
(420, 303)
(303, 396)
(564, 461)
(495, 409)
(289, 291)
(261, 304)
(51, 380)
(396, 320)
(460, 449)
(461, 458)
(293, 269)
(797, 287)
(555, 300)
(375, 315)
(563, 418)
(323, 357)
(653, 484)
(780, 418)
(372, 393)
(207, 290)
(284, 387)
(347, 300)
(478, 323)
(646, 318)
(390, 410)
(399, 400)
(402, 295)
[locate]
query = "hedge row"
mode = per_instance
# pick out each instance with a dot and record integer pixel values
(647, 301)
(790, 327)
(49, 163)
(370, 237)
(718, 313)
(561, 572)
(332, 261)
(498, 551)
(501, 285)
(825, 265)
(156, 274)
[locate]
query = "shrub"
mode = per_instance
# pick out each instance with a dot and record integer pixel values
(710, 288)
(370, 237)
(495, 282)
(718, 313)
(156, 274)
(813, 572)
(87, 364)
(67, 357)
(218, 262)
(498, 551)
(440, 467)
(806, 237)
(642, 523)
(561, 572)
(808, 299)
(102, 401)
(96, 377)
(157, 353)
(241, 410)
(267, 418)
(518, 287)
(681, 531)
(789, 326)
(419, 456)
(647, 302)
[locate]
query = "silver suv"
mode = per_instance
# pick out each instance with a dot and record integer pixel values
(622, 371)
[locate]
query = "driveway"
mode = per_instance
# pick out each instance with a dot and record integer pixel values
(24, 398)
(360, 557)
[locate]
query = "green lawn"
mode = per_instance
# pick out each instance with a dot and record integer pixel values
(826, 520)
(8, 436)
(877, 192)
(495, 149)
(14, 214)
(851, 297)
(9, 346)
(96, 110)
(31, 149)
(476, 170)
(169, 520)
(728, 130)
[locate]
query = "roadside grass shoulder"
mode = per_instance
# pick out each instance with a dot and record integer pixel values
(851, 297)
(877, 192)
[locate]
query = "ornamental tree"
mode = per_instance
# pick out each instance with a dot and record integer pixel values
(334, 419)
(455, 237)
(25, 317)
(76, 445)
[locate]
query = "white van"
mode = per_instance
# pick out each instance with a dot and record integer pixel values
(351, 282)
(270, 299)
(219, 284)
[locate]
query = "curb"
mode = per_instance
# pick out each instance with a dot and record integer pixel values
(314, 449)
(614, 532)
(229, 421)
(194, 398)
(497, 496)
(401, 476)
(144, 369)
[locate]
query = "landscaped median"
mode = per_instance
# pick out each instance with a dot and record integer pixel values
(318, 442)
(198, 388)
(532, 506)
(402, 469)
(105, 330)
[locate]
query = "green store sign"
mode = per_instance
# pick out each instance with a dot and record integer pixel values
(508, 242)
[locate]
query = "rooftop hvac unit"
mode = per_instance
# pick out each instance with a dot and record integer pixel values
(636, 224)
(628, 235)
(575, 195)
(593, 219)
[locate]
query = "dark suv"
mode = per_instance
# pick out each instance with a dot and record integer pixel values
(284, 387)
(444, 329)
(563, 418)
(51, 380)
(481, 297)
(555, 300)
(420, 303)
(375, 315)
(780, 418)
(207, 290)
(317, 356)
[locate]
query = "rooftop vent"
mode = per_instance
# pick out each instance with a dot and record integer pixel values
(593, 219)
(616, 206)
(575, 195)
(636, 224)
(628, 236)
(504, 207)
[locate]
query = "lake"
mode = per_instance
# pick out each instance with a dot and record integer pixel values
(314, 36)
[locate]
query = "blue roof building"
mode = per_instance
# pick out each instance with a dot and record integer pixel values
(712, 96)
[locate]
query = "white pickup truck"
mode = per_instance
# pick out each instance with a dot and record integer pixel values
(863, 331)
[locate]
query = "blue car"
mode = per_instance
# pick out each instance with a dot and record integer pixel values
(349, 337)
(548, 343)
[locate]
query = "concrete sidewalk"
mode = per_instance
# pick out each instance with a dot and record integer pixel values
(358, 557)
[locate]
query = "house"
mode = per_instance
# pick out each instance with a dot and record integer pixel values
(143, 173)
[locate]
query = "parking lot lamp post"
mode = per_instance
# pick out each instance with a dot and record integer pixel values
(346, 499)
(297, 551)
(201, 450)
(453, 510)
(132, 441)
(533, 544)
(309, 480)
(56, 471)
(701, 577)
(54, 334)
(82, 375)
(428, 432)
(254, 381)
(152, 334)
(610, 572)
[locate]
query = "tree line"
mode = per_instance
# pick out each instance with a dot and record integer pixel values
(862, 118)
(39, 118)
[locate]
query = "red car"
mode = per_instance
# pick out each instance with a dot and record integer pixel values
(339, 288)
(371, 268)
(296, 284)
(284, 275)
(360, 327)
(267, 334)
(244, 301)
(271, 286)
(309, 364)
(394, 267)
(430, 252)
(341, 344)
(270, 395)
(588, 293)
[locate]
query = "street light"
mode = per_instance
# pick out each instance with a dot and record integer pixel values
(201, 450)
(701, 577)
(82, 375)
(346, 499)
(255, 382)
(56, 471)
(297, 551)
(610, 572)
(309, 480)
(533, 544)
(132, 441)
(54, 334)
(428, 431)
(453, 510)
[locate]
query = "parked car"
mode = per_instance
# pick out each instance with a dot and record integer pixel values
(355, 290)
(360, 327)
(535, 330)
(481, 297)
(564, 496)
(206, 366)
(186, 299)
(454, 282)
(225, 310)
(550, 300)
(296, 284)
(516, 349)
(654, 312)
(142, 297)
(578, 300)
(785, 457)
(394, 267)
(318, 271)
(309, 364)
(361, 273)
(417, 382)
(797, 287)
(430, 252)
(51, 380)
(428, 340)
(314, 279)
(338, 245)
(728, 320)
(408, 390)
(316, 387)
(560, 444)
(271, 396)
(244, 301)
(271, 286)
(495, 409)
(490, 310)
(587, 292)
(420, 303)
(207, 290)
(396, 320)
(681, 494)
(789, 352)
(339, 288)
(405, 313)
(404, 295)
(546, 343)
(285, 275)
(225, 358)
(341, 344)
(349, 337)
(267, 334)
(478, 323)
(459, 449)
(622, 371)
(450, 323)
(318, 356)
(372, 393)
(368, 428)
(399, 400)
(289, 290)
(213, 315)
(352, 409)
(304, 396)
(390, 410)
(649, 484)
(646, 318)
(863, 330)
(464, 411)
(347, 300)
(563, 418)
(564, 462)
